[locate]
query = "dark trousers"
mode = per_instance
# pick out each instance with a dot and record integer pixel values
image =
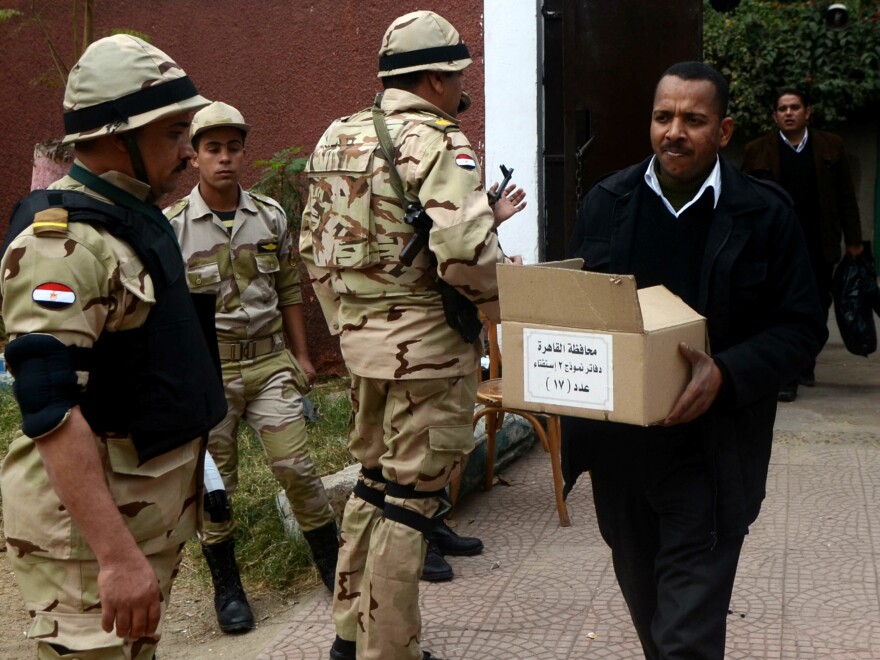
(656, 510)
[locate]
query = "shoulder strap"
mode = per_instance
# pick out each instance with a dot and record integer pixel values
(389, 153)
(130, 225)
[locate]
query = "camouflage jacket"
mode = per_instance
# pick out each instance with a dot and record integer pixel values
(106, 289)
(252, 270)
(390, 316)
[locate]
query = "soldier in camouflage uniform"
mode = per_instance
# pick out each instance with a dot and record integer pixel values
(413, 377)
(97, 506)
(237, 245)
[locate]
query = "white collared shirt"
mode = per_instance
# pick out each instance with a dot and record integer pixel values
(799, 148)
(713, 180)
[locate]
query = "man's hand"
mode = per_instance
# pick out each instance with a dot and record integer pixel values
(511, 202)
(306, 363)
(129, 591)
(701, 391)
(854, 250)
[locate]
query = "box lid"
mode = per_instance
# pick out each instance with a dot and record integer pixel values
(569, 297)
(663, 309)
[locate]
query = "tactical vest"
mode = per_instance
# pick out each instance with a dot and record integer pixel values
(157, 383)
(356, 217)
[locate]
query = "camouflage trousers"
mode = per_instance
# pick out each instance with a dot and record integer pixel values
(418, 432)
(264, 393)
(53, 563)
(65, 593)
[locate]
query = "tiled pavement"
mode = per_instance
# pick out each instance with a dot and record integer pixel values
(807, 588)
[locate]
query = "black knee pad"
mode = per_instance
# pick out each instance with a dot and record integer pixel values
(407, 517)
(45, 382)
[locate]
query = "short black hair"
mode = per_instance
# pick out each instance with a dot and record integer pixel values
(794, 91)
(405, 81)
(701, 71)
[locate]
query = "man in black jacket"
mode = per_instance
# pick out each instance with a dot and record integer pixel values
(674, 501)
(812, 167)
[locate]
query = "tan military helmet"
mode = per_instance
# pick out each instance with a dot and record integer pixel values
(216, 115)
(421, 41)
(121, 83)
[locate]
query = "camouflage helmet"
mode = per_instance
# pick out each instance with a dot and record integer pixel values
(421, 41)
(121, 83)
(216, 115)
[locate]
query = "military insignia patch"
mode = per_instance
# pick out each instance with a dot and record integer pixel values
(53, 295)
(265, 248)
(465, 162)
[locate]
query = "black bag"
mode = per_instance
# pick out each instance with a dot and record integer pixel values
(856, 298)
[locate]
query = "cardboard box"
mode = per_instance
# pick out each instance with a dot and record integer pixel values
(593, 345)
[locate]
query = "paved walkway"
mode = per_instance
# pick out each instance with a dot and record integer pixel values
(807, 588)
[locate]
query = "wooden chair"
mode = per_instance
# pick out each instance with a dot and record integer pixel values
(546, 425)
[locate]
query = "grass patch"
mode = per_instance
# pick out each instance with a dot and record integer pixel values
(267, 558)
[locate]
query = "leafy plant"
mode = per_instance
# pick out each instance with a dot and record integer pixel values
(283, 179)
(763, 45)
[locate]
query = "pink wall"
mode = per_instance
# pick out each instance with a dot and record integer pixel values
(290, 66)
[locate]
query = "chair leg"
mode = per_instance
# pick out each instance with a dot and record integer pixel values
(554, 439)
(491, 430)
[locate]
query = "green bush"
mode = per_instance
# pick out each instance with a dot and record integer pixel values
(763, 45)
(282, 177)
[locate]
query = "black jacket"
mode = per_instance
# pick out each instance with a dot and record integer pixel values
(838, 208)
(765, 323)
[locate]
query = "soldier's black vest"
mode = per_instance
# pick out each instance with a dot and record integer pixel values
(160, 383)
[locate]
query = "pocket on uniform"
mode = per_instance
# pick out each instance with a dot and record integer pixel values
(267, 263)
(447, 447)
(124, 459)
(344, 169)
(198, 277)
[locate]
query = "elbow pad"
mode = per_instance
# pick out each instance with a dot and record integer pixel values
(45, 383)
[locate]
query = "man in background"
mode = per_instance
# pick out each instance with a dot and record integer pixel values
(812, 167)
(237, 246)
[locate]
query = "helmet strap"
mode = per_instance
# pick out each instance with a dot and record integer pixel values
(137, 162)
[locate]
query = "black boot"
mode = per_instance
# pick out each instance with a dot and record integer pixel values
(233, 611)
(436, 568)
(324, 543)
(454, 545)
(344, 650)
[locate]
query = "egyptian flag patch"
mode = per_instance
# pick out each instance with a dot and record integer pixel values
(53, 295)
(465, 162)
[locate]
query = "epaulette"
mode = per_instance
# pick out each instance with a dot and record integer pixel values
(51, 221)
(265, 199)
(443, 125)
(177, 208)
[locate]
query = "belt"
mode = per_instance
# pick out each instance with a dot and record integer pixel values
(248, 350)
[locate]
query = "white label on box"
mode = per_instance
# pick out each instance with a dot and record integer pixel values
(568, 368)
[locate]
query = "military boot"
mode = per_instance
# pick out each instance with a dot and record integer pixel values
(324, 543)
(230, 603)
(454, 545)
(344, 650)
(436, 569)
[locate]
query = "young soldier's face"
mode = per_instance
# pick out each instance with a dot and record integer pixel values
(220, 157)
(687, 129)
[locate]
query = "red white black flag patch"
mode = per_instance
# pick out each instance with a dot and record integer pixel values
(53, 295)
(465, 161)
